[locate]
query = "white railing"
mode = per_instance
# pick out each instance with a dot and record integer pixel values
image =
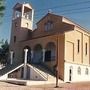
(43, 74)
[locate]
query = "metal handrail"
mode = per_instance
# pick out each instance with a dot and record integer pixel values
(46, 74)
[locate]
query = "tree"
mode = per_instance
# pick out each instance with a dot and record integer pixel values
(2, 9)
(4, 52)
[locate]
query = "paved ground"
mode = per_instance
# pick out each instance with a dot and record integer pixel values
(70, 86)
(66, 86)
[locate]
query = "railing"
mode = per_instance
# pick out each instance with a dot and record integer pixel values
(43, 74)
(9, 68)
(48, 69)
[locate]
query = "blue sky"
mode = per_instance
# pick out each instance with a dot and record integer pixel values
(76, 10)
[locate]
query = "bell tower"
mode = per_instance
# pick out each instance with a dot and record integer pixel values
(22, 25)
(25, 13)
(22, 22)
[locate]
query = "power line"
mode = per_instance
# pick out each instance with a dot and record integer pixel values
(77, 12)
(63, 6)
(66, 5)
(75, 9)
(68, 10)
(71, 12)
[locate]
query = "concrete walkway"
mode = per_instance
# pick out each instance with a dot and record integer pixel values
(62, 86)
(31, 82)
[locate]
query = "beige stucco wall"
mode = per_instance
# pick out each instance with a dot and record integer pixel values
(71, 46)
(86, 59)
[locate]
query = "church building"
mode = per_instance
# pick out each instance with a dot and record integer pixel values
(56, 44)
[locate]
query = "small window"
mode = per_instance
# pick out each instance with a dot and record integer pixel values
(86, 71)
(16, 24)
(79, 71)
(13, 54)
(78, 42)
(85, 48)
(48, 26)
(27, 25)
(14, 39)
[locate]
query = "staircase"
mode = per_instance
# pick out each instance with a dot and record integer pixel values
(44, 71)
(8, 69)
(45, 75)
(44, 68)
(47, 69)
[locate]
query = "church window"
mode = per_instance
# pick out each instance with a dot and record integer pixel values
(48, 26)
(16, 24)
(79, 71)
(86, 48)
(78, 46)
(14, 39)
(27, 25)
(86, 71)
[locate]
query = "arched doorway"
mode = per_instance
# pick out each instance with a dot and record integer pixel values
(70, 73)
(50, 52)
(37, 58)
(28, 54)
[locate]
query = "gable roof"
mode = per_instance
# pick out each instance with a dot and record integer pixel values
(20, 5)
(48, 15)
(17, 5)
(65, 20)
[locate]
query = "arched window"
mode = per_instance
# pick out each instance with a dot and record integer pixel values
(16, 24)
(27, 25)
(37, 57)
(79, 71)
(86, 71)
(48, 26)
(14, 39)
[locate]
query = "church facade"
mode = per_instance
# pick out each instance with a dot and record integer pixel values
(57, 43)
